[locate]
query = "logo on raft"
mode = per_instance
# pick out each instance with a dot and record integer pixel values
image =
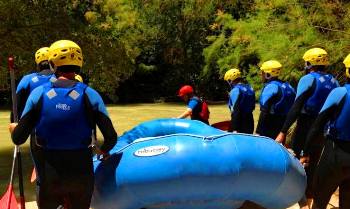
(151, 151)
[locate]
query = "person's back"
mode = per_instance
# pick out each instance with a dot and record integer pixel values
(63, 123)
(312, 90)
(276, 99)
(241, 103)
(30, 81)
(323, 84)
(339, 128)
(64, 113)
(333, 168)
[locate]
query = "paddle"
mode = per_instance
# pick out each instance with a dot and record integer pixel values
(33, 176)
(223, 125)
(15, 118)
(8, 200)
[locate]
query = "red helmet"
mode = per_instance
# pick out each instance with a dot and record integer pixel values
(187, 89)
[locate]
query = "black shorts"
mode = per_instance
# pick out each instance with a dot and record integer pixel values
(246, 122)
(272, 125)
(65, 178)
(302, 129)
(333, 170)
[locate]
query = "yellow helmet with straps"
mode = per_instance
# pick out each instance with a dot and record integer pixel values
(232, 74)
(65, 52)
(272, 67)
(42, 54)
(316, 56)
(347, 65)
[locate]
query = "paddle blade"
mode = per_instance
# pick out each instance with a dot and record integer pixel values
(8, 200)
(223, 125)
(33, 178)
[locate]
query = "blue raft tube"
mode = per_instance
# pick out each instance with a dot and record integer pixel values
(184, 164)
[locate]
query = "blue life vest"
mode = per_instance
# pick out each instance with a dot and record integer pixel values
(37, 79)
(63, 123)
(339, 128)
(246, 98)
(325, 83)
(287, 97)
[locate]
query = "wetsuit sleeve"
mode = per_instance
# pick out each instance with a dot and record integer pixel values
(236, 111)
(234, 99)
(192, 104)
(332, 105)
(268, 96)
(102, 119)
(306, 87)
(30, 117)
(22, 94)
(305, 83)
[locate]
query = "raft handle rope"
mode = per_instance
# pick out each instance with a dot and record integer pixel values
(204, 138)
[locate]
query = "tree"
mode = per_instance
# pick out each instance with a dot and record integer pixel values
(281, 30)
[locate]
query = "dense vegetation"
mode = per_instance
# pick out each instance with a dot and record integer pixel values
(143, 50)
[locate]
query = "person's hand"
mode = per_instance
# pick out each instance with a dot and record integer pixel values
(281, 138)
(305, 161)
(12, 127)
(103, 156)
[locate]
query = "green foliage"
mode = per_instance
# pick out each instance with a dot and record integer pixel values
(281, 30)
(26, 26)
(143, 50)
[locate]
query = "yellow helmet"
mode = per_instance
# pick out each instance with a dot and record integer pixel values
(232, 74)
(65, 52)
(42, 54)
(347, 65)
(316, 56)
(78, 77)
(272, 67)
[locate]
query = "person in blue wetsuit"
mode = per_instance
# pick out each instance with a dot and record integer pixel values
(64, 113)
(312, 91)
(197, 108)
(29, 82)
(333, 169)
(241, 102)
(276, 99)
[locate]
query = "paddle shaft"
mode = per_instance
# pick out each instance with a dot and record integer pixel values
(15, 119)
(8, 204)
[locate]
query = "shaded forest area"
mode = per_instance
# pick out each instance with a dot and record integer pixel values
(143, 50)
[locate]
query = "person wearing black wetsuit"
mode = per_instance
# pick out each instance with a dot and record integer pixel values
(276, 99)
(30, 82)
(333, 169)
(63, 114)
(312, 91)
(241, 103)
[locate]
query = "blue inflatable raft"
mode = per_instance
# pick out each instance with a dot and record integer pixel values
(184, 164)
